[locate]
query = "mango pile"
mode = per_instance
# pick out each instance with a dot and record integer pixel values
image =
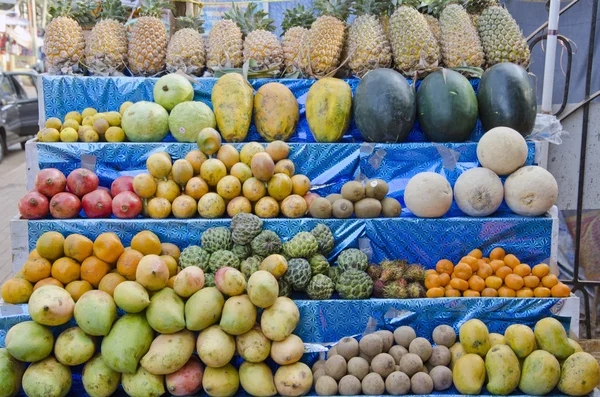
(500, 274)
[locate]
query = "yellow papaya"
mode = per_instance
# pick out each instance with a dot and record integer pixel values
(328, 109)
(275, 112)
(232, 98)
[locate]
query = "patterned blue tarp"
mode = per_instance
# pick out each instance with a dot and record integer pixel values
(63, 94)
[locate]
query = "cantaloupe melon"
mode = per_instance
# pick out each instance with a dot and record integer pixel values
(530, 191)
(428, 195)
(502, 150)
(478, 192)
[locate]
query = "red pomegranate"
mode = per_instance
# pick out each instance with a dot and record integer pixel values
(82, 181)
(50, 181)
(33, 205)
(126, 205)
(65, 206)
(121, 184)
(97, 204)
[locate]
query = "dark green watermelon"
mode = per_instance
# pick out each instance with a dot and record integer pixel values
(447, 107)
(384, 106)
(507, 98)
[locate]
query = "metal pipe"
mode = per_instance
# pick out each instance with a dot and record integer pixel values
(580, 105)
(550, 61)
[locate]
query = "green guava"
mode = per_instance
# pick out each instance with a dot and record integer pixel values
(171, 90)
(145, 122)
(189, 118)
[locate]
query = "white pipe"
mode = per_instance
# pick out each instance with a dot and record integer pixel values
(550, 57)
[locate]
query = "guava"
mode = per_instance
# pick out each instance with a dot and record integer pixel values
(189, 118)
(171, 90)
(145, 122)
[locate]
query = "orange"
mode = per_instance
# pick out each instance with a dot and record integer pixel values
(430, 271)
(444, 266)
(496, 264)
(503, 272)
(108, 247)
(511, 261)
(35, 270)
(171, 250)
(34, 254)
(485, 270)
(531, 281)
(471, 261)
(78, 288)
(65, 270)
(525, 293)
(50, 245)
(16, 290)
(522, 270)
(476, 253)
(444, 279)
(489, 292)
(476, 283)
(172, 265)
(542, 292)
(471, 294)
(78, 247)
(549, 281)
(514, 281)
(452, 293)
(540, 270)
(453, 275)
(486, 260)
(128, 262)
(435, 292)
(560, 290)
(93, 269)
(147, 243)
(463, 271)
(459, 284)
(48, 281)
(432, 281)
(110, 282)
(171, 282)
(506, 292)
(497, 253)
(494, 282)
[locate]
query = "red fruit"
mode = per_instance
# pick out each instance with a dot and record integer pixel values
(65, 206)
(121, 184)
(33, 205)
(50, 181)
(82, 181)
(310, 197)
(126, 205)
(97, 204)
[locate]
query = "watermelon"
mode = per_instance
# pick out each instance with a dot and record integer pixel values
(507, 98)
(446, 107)
(384, 106)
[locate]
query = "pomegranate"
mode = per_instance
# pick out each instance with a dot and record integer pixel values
(50, 181)
(126, 205)
(97, 204)
(33, 205)
(65, 205)
(121, 184)
(82, 181)
(107, 190)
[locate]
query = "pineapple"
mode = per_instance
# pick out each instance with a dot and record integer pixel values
(224, 46)
(295, 25)
(326, 37)
(148, 40)
(476, 7)
(367, 47)
(106, 47)
(501, 38)
(186, 48)
(260, 44)
(413, 45)
(64, 43)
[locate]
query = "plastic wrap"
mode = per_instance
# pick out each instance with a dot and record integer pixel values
(547, 128)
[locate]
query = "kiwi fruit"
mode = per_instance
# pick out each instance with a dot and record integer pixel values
(321, 208)
(353, 191)
(397, 352)
(440, 355)
(342, 209)
(347, 347)
(326, 386)
(390, 208)
(371, 345)
(373, 385)
(358, 367)
(349, 386)
(334, 197)
(376, 188)
(421, 383)
(404, 335)
(336, 367)
(397, 383)
(384, 364)
(367, 208)
(421, 347)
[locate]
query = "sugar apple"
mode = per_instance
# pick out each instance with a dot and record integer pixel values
(216, 238)
(241, 251)
(302, 245)
(354, 284)
(194, 256)
(244, 227)
(320, 287)
(250, 265)
(334, 273)
(266, 243)
(298, 273)
(324, 238)
(285, 289)
(319, 264)
(222, 258)
(209, 280)
(352, 258)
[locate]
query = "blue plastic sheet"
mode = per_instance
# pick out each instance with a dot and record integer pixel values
(63, 94)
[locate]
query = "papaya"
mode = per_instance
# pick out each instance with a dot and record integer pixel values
(47, 378)
(98, 379)
(540, 372)
(165, 314)
(127, 342)
(232, 99)
(474, 336)
(275, 112)
(328, 109)
(502, 368)
(551, 336)
(168, 353)
(580, 374)
(11, 372)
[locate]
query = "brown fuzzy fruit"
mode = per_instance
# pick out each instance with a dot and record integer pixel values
(342, 209)
(353, 191)
(321, 208)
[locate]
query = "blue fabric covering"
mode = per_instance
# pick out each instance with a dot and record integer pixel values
(63, 94)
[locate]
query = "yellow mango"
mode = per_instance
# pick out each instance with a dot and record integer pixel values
(580, 374)
(540, 372)
(232, 98)
(575, 345)
(551, 336)
(502, 368)
(457, 350)
(497, 339)
(474, 336)
(275, 112)
(521, 339)
(328, 109)
(468, 374)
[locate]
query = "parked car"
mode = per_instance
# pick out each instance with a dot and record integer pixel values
(19, 108)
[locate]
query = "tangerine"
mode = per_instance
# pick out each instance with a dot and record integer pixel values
(452, 293)
(484, 271)
(444, 279)
(147, 243)
(432, 281)
(48, 281)
(489, 292)
(471, 261)
(476, 283)
(78, 247)
(435, 292)
(525, 292)
(540, 270)
(476, 253)
(542, 292)
(506, 292)
(108, 248)
(110, 282)
(503, 272)
(522, 270)
(35, 270)
(171, 250)
(16, 290)
(93, 270)
(531, 281)
(560, 290)
(444, 266)
(128, 262)
(497, 253)
(78, 288)
(514, 281)
(50, 245)
(511, 261)
(463, 271)
(65, 270)
(459, 284)
(471, 294)
(494, 282)
(549, 280)
(496, 264)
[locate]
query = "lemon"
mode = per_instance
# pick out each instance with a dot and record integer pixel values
(114, 134)
(88, 120)
(73, 116)
(49, 135)
(69, 135)
(53, 122)
(99, 116)
(113, 118)
(124, 107)
(88, 112)
(90, 136)
(71, 124)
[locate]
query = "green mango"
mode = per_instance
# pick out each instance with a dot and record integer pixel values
(580, 374)
(540, 372)
(11, 372)
(165, 314)
(98, 379)
(551, 336)
(203, 309)
(143, 384)
(257, 379)
(47, 378)
(127, 342)
(168, 353)
(29, 341)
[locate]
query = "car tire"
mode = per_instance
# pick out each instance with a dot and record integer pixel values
(2, 147)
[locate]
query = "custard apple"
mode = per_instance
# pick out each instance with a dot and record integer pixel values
(241, 251)
(222, 258)
(266, 243)
(320, 287)
(352, 258)
(298, 273)
(285, 289)
(334, 273)
(209, 280)
(216, 238)
(324, 237)
(354, 284)
(244, 227)
(194, 256)
(250, 265)
(319, 264)
(302, 245)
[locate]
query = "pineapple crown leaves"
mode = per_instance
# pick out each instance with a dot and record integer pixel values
(113, 9)
(435, 7)
(154, 8)
(195, 23)
(251, 19)
(369, 7)
(297, 16)
(339, 9)
(81, 11)
(392, 5)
